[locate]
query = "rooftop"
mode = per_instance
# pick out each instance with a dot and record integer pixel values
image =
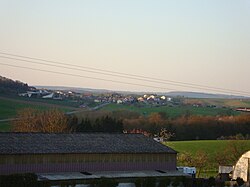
(51, 143)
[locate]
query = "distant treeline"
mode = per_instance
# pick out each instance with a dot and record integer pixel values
(193, 127)
(8, 86)
(186, 127)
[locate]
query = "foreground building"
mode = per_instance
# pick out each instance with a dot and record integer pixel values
(242, 167)
(96, 152)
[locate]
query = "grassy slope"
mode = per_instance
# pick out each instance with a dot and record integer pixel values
(232, 103)
(10, 106)
(171, 111)
(211, 147)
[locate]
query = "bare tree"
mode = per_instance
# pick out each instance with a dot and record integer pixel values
(232, 152)
(31, 120)
(199, 160)
(26, 121)
(165, 135)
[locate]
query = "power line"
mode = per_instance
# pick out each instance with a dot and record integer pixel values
(122, 76)
(75, 75)
(149, 79)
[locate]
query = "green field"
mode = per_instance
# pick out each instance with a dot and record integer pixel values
(211, 147)
(9, 108)
(231, 103)
(172, 111)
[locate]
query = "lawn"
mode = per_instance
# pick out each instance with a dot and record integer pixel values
(211, 147)
(171, 111)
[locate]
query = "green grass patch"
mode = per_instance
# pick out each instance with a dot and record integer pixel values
(9, 108)
(211, 147)
(232, 103)
(208, 146)
(5, 127)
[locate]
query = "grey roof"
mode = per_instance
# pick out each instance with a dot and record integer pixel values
(42, 143)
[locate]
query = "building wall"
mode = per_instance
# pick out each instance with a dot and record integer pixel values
(45, 163)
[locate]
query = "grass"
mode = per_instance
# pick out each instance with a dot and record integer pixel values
(208, 146)
(174, 111)
(5, 127)
(10, 106)
(231, 103)
(211, 147)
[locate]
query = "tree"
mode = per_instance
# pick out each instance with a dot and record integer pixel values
(185, 158)
(232, 152)
(84, 126)
(165, 135)
(27, 121)
(199, 160)
(31, 120)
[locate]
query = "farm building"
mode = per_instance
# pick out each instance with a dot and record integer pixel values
(53, 153)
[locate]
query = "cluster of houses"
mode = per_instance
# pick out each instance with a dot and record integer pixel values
(154, 99)
(45, 94)
(97, 98)
(125, 99)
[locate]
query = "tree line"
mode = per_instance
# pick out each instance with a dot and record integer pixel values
(186, 127)
(55, 121)
(192, 127)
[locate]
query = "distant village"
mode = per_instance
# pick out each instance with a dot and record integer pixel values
(100, 98)
(91, 99)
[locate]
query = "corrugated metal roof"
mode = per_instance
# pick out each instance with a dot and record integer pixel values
(49, 143)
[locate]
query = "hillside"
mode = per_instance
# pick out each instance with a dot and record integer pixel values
(9, 106)
(8, 86)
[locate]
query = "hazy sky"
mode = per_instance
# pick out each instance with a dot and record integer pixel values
(196, 41)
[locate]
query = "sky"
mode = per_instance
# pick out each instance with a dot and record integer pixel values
(205, 42)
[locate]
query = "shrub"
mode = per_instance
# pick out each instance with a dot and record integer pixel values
(164, 182)
(20, 180)
(240, 181)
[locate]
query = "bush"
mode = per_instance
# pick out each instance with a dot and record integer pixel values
(149, 182)
(164, 182)
(240, 181)
(104, 182)
(20, 180)
(138, 182)
(211, 181)
(176, 182)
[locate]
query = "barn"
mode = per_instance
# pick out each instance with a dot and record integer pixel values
(85, 152)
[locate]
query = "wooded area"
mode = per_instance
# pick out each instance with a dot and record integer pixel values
(186, 127)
